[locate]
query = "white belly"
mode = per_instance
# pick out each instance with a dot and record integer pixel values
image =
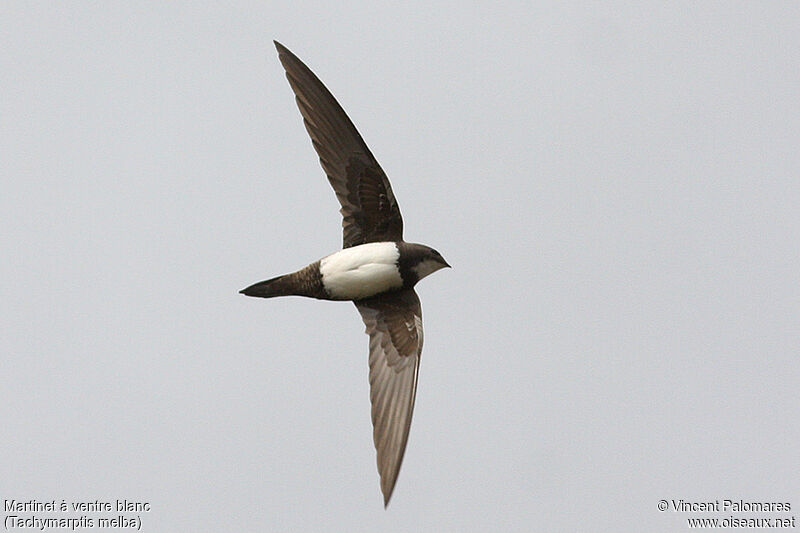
(361, 271)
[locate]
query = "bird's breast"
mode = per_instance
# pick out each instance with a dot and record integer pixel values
(361, 271)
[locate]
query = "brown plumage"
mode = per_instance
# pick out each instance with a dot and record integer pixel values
(394, 326)
(369, 209)
(305, 282)
(370, 214)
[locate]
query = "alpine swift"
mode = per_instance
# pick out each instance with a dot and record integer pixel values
(376, 269)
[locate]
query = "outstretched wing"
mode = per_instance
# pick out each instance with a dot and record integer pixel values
(394, 326)
(369, 209)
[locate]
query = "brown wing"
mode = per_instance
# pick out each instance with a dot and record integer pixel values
(369, 209)
(394, 326)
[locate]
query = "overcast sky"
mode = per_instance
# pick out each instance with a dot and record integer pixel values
(616, 187)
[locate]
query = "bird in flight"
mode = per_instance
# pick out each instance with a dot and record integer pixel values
(376, 269)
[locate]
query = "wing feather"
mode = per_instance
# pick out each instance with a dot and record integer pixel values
(394, 324)
(369, 209)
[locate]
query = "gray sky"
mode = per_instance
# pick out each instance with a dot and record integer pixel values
(615, 185)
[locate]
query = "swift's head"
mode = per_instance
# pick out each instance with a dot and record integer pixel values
(417, 261)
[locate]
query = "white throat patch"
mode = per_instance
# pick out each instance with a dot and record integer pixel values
(361, 271)
(426, 268)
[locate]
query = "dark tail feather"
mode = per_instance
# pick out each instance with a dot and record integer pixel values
(305, 282)
(267, 289)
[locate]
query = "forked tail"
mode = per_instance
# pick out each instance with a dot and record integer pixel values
(305, 282)
(268, 289)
